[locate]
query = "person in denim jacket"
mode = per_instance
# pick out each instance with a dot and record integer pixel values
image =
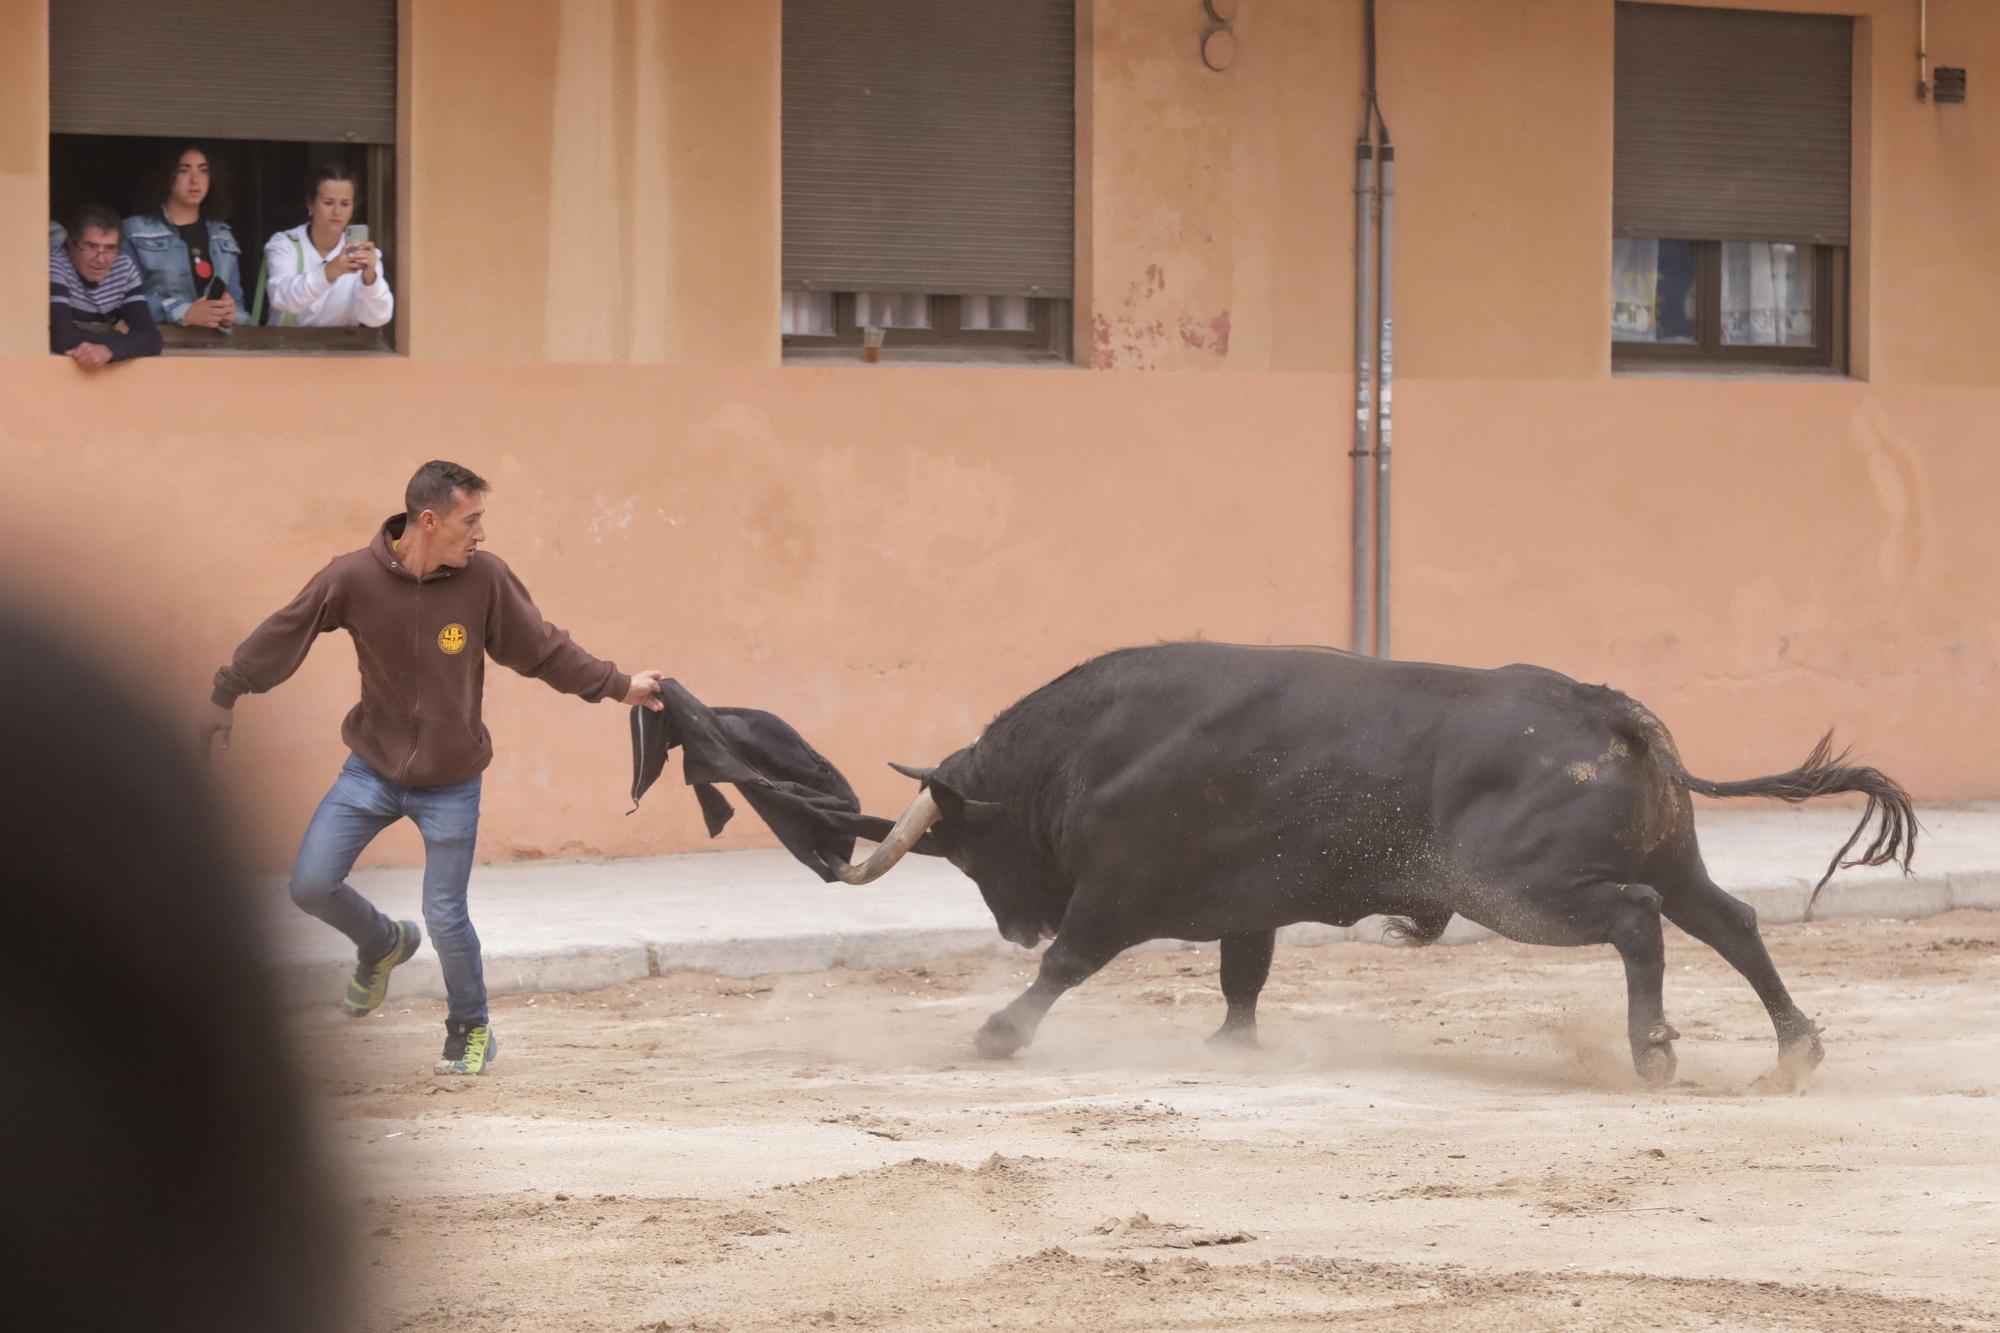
(189, 256)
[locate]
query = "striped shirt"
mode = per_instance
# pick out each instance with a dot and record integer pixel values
(98, 303)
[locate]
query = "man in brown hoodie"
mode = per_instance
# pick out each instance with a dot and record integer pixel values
(425, 607)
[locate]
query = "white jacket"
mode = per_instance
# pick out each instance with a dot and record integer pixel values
(305, 293)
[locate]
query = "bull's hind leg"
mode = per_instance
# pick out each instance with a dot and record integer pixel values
(1079, 949)
(1627, 917)
(1729, 926)
(1246, 965)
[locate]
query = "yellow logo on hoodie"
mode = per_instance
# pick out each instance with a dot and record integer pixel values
(451, 639)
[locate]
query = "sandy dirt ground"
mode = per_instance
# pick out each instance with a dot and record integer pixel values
(1430, 1138)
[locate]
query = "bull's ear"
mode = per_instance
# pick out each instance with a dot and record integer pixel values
(911, 771)
(959, 808)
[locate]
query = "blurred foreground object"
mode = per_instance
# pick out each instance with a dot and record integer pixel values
(160, 1167)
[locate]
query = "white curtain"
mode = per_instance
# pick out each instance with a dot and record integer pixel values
(1653, 290)
(808, 314)
(1009, 313)
(1635, 289)
(892, 310)
(1767, 294)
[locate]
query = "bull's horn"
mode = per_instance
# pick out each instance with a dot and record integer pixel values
(914, 823)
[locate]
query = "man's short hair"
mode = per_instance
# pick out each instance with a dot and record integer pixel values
(436, 485)
(93, 215)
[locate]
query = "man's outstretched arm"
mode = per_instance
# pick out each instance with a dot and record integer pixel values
(518, 637)
(272, 653)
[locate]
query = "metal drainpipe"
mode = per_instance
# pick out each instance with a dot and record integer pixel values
(1364, 333)
(1385, 398)
(1364, 373)
(1923, 50)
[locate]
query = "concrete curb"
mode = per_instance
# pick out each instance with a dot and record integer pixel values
(1890, 897)
(507, 973)
(889, 947)
(1877, 895)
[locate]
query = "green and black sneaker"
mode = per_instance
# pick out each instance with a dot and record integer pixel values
(370, 983)
(468, 1048)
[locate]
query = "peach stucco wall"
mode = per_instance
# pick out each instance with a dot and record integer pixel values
(886, 556)
(884, 569)
(24, 177)
(1230, 195)
(598, 180)
(1220, 206)
(595, 180)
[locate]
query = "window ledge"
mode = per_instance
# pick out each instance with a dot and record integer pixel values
(1726, 372)
(275, 339)
(925, 356)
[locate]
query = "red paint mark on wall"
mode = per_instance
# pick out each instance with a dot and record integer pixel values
(1101, 355)
(1207, 335)
(1138, 334)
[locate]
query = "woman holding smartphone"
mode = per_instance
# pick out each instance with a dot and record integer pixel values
(325, 273)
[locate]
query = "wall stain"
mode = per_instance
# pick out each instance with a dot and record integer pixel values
(1101, 355)
(1141, 336)
(1212, 335)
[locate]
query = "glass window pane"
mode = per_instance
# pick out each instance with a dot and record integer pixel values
(1767, 294)
(1652, 290)
(892, 310)
(808, 315)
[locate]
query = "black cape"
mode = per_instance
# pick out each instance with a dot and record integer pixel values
(791, 786)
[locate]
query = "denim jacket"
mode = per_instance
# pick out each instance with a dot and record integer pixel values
(162, 257)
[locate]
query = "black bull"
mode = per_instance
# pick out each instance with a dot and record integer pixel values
(1204, 791)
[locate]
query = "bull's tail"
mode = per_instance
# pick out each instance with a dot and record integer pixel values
(1415, 930)
(1825, 773)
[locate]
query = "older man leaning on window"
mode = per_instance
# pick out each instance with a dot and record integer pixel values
(97, 299)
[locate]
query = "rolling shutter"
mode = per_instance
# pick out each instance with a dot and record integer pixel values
(1732, 125)
(225, 69)
(929, 146)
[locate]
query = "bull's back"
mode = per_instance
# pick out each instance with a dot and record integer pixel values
(1197, 701)
(1218, 751)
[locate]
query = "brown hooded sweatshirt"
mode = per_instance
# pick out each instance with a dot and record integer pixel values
(422, 646)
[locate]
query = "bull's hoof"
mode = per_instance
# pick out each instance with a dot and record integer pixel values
(1656, 1064)
(1789, 1076)
(997, 1039)
(1796, 1061)
(1241, 1036)
(1654, 1058)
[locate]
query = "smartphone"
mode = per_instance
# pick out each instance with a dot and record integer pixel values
(357, 233)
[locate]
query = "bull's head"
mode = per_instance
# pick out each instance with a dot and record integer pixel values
(974, 836)
(941, 813)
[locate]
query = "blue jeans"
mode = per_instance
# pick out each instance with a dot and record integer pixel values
(360, 805)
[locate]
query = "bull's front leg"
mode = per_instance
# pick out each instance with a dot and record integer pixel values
(1078, 950)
